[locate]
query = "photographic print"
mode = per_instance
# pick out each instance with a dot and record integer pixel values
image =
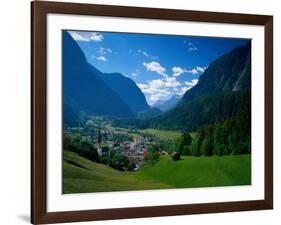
(145, 112)
(154, 111)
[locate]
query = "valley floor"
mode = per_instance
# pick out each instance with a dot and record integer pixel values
(82, 175)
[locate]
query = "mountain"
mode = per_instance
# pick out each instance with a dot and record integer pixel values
(83, 90)
(230, 72)
(150, 113)
(166, 105)
(223, 91)
(126, 89)
(201, 111)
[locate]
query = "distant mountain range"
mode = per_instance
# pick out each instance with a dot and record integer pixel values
(86, 89)
(151, 113)
(168, 104)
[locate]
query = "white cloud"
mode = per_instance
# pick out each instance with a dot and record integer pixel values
(168, 85)
(154, 98)
(157, 89)
(104, 51)
(101, 58)
(189, 85)
(155, 67)
(143, 52)
(197, 69)
(191, 47)
(142, 86)
(146, 54)
(200, 69)
(158, 84)
(171, 82)
(154, 86)
(183, 90)
(177, 71)
(192, 82)
(135, 74)
(193, 71)
(154, 89)
(86, 36)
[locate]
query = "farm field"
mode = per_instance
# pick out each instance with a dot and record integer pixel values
(164, 134)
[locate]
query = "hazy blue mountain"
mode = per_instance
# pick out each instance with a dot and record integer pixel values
(168, 104)
(85, 91)
(126, 89)
(150, 113)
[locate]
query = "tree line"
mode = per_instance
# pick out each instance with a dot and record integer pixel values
(86, 149)
(229, 136)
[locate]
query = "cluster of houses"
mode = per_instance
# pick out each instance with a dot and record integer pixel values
(135, 150)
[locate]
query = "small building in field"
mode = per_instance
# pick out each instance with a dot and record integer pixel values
(163, 152)
(175, 156)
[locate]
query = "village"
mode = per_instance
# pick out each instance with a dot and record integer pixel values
(135, 148)
(130, 145)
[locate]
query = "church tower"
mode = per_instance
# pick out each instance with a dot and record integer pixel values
(99, 144)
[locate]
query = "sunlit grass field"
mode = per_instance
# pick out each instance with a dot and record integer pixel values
(82, 175)
(164, 134)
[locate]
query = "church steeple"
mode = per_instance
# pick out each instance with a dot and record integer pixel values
(99, 137)
(99, 143)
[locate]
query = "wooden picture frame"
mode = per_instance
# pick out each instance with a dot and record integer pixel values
(40, 9)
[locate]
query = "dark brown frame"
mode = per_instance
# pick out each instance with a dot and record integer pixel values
(39, 11)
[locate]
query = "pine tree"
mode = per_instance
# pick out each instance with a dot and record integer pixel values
(187, 138)
(207, 146)
(195, 146)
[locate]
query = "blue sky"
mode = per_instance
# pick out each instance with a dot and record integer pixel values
(161, 65)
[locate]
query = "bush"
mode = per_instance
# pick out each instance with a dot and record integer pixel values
(151, 156)
(105, 160)
(82, 147)
(119, 162)
(88, 151)
(131, 166)
(154, 148)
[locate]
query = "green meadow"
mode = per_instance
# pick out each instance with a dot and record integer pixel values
(82, 175)
(164, 134)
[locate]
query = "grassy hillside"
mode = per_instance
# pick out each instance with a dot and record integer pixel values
(82, 175)
(200, 171)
